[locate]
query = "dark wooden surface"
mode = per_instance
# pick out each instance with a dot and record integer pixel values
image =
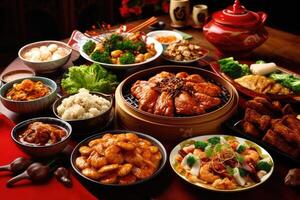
(281, 48)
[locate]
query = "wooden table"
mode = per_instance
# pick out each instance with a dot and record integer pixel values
(281, 48)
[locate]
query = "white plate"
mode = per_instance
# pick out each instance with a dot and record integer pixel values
(154, 34)
(175, 150)
(158, 47)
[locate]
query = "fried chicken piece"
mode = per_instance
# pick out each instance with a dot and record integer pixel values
(145, 93)
(287, 109)
(280, 143)
(206, 101)
(250, 129)
(186, 105)
(164, 105)
(288, 128)
(205, 88)
(259, 107)
(262, 121)
(159, 77)
(293, 177)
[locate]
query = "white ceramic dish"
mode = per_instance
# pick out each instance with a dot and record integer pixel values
(155, 34)
(158, 47)
(203, 185)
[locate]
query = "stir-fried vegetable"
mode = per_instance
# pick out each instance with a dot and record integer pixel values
(89, 47)
(287, 80)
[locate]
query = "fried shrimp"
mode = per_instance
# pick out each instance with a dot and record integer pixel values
(207, 175)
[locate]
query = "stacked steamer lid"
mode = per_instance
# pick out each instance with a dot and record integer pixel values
(177, 127)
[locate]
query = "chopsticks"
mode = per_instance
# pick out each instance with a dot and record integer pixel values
(149, 22)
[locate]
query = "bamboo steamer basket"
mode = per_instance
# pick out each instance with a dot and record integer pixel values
(172, 128)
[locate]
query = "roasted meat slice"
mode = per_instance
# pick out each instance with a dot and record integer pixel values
(206, 101)
(164, 105)
(249, 128)
(262, 121)
(205, 88)
(137, 88)
(185, 104)
(159, 77)
(263, 106)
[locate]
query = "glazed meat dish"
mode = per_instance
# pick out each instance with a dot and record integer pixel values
(118, 159)
(275, 124)
(39, 133)
(168, 94)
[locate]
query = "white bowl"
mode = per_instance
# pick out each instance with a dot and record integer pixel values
(158, 47)
(45, 66)
(155, 34)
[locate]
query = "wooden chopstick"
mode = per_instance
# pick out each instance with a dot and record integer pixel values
(143, 25)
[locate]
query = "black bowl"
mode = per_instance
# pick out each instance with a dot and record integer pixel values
(42, 151)
(85, 142)
(81, 127)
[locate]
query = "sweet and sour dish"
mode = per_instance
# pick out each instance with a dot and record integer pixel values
(118, 159)
(222, 162)
(27, 90)
(276, 124)
(170, 94)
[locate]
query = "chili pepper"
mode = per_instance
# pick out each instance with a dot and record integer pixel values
(63, 176)
(36, 172)
(17, 166)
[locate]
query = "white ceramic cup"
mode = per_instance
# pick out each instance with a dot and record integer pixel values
(179, 12)
(199, 15)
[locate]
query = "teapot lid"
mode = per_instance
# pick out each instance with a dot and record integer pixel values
(236, 15)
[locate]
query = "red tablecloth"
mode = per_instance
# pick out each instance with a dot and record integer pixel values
(52, 190)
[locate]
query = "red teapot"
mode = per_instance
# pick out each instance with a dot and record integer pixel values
(236, 30)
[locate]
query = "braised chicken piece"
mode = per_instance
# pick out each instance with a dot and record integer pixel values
(42, 134)
(206, 101)
(169, 94)
(185, 104)
(205, 88)
(164, 105)
(159, 77)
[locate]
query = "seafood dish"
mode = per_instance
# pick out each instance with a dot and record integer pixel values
(170, 94)
(46, 53)
(221, 162)
(275, 124)
(260, 77)
(120, 49)
(42, 134)
(27, 90)
(82, 105)
(184, 51)
(123, 158)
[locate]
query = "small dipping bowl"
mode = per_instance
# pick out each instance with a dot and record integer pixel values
(46, 150)
(16, 74)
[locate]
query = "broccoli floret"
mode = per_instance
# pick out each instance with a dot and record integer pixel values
(287, 80)
(191, 161)
(263, 165)
(103, 57)
(260, 62)
(233, 68)
(214, 140)
(241, 148)
(200, 144)
(242, 172)
(127, 58)
(89, 47)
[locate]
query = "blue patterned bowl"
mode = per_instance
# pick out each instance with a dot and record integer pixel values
(42, 151)
(31, 106)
